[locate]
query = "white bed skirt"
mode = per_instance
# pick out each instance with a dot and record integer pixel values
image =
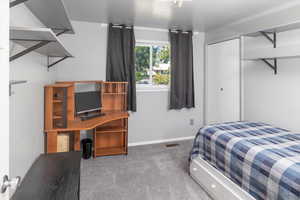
(215, 183)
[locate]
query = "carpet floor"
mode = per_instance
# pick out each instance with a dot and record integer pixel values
(150, 172)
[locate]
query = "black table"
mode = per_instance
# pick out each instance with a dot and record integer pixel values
(52, 177)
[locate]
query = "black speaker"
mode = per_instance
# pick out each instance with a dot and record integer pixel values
(87, 148)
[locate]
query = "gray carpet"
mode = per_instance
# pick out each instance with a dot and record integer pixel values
(151, 172)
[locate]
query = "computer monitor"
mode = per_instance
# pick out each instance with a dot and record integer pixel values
(86, 102)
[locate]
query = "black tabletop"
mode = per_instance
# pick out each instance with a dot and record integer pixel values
(52, 177)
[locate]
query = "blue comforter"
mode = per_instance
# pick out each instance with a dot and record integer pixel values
(263, 160)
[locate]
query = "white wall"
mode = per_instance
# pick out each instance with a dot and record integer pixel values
(88, 46)
(268, 97)
(27, 102)
(153, 120)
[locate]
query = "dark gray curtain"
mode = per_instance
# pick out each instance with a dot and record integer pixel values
(120, 64)
(182, 75)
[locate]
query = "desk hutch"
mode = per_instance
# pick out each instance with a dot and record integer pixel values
(110, 131)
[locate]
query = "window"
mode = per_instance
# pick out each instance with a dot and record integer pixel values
(152, 64)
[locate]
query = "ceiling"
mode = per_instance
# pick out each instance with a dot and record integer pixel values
(197, 15)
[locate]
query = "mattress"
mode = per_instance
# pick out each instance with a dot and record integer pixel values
(262, 159)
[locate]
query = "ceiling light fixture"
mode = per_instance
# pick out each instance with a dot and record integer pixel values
(177, 3)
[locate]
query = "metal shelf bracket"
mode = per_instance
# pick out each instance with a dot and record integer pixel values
(49, 65)
(30, 49)
(14, 82)
(61, 31)
(272, 66)
(272, 40)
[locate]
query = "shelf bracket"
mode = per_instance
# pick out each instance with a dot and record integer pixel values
(14, 82)
(272, 40)
(56, 62)
(30, 49)
(62, 31)
(272, 66)
(16, 2)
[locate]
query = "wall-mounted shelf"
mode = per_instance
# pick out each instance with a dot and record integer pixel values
(40, 40)
(52, 13)
(287, 27)
(282, 52)
(273, 54)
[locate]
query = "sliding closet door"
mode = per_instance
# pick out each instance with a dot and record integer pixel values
(223, 82)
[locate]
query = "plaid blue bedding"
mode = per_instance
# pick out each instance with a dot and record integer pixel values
(263, 160)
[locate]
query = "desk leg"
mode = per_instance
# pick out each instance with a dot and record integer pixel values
(76, 140)
(51, 142)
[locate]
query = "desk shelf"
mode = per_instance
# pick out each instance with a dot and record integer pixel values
(109, 151)
(113, 130)
(111, 138)
(57, 117)
(113, 93)
(57, 101)
(58, 106)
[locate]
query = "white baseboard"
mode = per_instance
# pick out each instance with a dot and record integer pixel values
(160, 141)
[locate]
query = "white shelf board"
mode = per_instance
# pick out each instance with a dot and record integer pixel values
(52, 13)
(283, 28)
(281, 52)
(33, 35)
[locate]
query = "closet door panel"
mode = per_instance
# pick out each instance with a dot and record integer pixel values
(213, 81)
(223, 82)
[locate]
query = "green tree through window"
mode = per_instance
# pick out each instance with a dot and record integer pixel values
(152, 64)
(142, 63)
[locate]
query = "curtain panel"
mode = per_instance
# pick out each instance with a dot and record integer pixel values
(182, 74)
(120, 64)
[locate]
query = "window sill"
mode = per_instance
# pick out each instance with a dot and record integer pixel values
(152, 88)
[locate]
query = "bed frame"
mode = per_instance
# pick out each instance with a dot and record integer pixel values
(218, 186)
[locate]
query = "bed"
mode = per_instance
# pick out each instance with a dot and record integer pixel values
(247, 160)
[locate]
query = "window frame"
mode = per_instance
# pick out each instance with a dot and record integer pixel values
(151, 87)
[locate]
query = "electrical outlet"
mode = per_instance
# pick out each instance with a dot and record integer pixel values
(192, 121)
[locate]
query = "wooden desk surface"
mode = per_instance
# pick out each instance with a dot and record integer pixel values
(77, 124)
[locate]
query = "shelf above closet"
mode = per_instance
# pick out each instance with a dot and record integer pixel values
(282, 52)
(272, 54)
(283, 28)
(40, 40)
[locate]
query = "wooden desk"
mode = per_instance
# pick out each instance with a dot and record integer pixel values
(109, 131)
(53, 176)
(75, 126)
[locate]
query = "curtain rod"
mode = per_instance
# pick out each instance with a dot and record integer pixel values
(121, 26)
(142, 28)
(176, 31)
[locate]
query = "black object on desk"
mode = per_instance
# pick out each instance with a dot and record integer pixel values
(52, 177)
(91, 116)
